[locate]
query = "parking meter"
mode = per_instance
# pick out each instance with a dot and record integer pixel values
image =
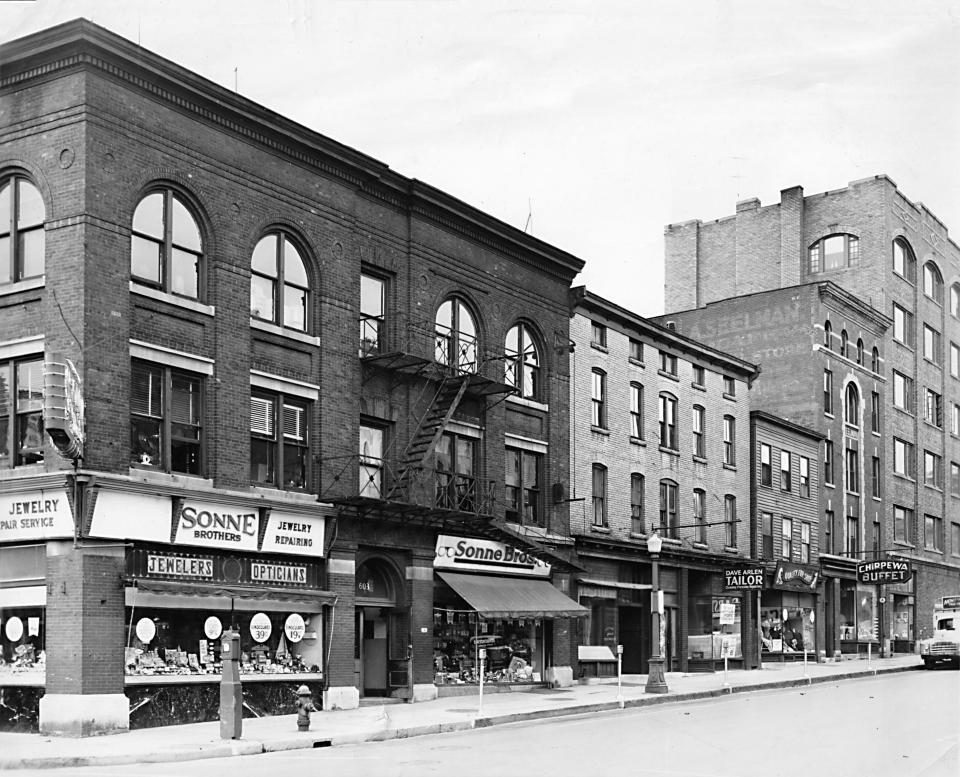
(231, 691)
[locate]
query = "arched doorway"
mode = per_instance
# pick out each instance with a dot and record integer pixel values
(377, 627)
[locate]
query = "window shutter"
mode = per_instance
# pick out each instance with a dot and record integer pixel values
(261, 416)
(293, 423)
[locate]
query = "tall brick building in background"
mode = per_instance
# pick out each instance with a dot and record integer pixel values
(894, 256)
(324, 404)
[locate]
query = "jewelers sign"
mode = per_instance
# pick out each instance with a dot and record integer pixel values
(486, 556)
(35, 515)
(884, 571)
(217, 526)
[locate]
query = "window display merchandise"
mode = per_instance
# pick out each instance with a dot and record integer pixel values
(709, 634)
(187, 642)
(514, 648)
(22, 641)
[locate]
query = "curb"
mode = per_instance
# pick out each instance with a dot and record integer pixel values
(225, 750)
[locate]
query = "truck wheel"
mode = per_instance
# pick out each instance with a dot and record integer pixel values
(927, 663)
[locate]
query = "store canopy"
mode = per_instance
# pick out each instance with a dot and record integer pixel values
(512, 597)
(170, 593)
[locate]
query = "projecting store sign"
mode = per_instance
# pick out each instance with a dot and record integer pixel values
(885, 571)
(486, 556)
(744, 579)
(795, 576)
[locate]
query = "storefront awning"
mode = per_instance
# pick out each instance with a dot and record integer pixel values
(170, 593)
(510, 597)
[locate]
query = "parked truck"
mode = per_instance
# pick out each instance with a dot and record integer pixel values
(944, 646)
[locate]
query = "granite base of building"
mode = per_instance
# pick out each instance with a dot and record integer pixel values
(84, 715)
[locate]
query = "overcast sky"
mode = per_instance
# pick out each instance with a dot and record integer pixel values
(600, 122)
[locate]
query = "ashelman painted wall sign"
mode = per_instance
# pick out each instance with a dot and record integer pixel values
(35, 515)
(486, 556)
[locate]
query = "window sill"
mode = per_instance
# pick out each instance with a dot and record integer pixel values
(278, 494)
(933, 363)
(635, 536)
(172, 299)
(24, 470)
(668, 375)
(903, 410)
(698, 386)
(158, 478)
(904, 544)
(701, 546)
(638, 441)
(731, 467)
(932, 425)
(828, 414)
(27, 285)
(731, 397)
(932, 487)
(289, 334)
(599, 430)
(877, 498)
(600, 529)
(636, 362)
(904, 476)
(875, 433)
(669, 451)
(731, 551)
(829, 485)
(599, 347)
(531, 403)
(933, 550)
(699, 459)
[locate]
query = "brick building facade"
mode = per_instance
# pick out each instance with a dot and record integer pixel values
(660, 442)
(897, 256)
(301, 375)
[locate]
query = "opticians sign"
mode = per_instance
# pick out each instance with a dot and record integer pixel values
(486, 556)
(214, 525)
(35, 515)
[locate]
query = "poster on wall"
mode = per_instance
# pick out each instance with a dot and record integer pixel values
(35, 515)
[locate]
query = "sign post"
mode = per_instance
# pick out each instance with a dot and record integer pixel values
(620, 675)
(483, 655)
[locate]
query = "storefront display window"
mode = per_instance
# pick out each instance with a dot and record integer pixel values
(708, 636)
(514, 648)
(22, 640)
(902, 625)
(187, 642)
(858, 612)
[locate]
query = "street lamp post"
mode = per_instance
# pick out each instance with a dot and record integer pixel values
(656, 682)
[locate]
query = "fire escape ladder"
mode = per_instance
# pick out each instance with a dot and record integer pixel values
(423, 442)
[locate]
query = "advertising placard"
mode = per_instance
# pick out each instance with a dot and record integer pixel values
(301, 535)
(486, 556)
(213, 525)
(743, 579)
(35, 515)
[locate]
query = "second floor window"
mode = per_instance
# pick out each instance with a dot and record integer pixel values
(700, 514)
(853, 471)
(804, 542)
(933, 532)
(636, 503)
(22, 239)
(279, 443)
(523, 362)
(668, 422)
(522, 474)
(165, 247)
(766, 533)
(730, 520)
(21, 413)
(904, 529)
(372, 314)
(166, 408)
(599, 495)
(598, 399)
(455, 336)
(786, 539)
(371, 461)
(279, 288)
(668, 509)
(827, 461)
(456, 482)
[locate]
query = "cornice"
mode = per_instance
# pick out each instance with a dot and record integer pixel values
(80, 44)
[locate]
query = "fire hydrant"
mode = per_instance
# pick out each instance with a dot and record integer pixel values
(304, 708)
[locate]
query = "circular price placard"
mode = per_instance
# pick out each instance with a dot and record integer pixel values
(146, 630)
(294, 627)
(14, 629)
(260, 627)
(212, 627)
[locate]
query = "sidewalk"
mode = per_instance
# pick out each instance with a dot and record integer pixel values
(390, 721)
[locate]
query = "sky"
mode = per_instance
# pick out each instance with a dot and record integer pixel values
(592, 125)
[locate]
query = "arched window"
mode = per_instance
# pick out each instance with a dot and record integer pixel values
(904, 262)
(166, 251)
(668, 422)
(22, 239)
(875, 360)
(932, 282)
(852, 405)
(833, 253)
(279, 289)
(843, 342)
(827, 334)
(955, 300)
(523, 361)
(456, 336)
(859, 351)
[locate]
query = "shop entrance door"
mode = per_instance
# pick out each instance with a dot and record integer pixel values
(631, 637)
(373, 630)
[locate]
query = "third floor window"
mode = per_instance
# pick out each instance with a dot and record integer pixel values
(165, 247)
(279, 289)
(523, 361)
(372, 314)
(22, 239)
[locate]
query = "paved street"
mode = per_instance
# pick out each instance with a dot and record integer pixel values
(901, 724)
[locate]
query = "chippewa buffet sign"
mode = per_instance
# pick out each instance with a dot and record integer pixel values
(884, 571)
(795, 576)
